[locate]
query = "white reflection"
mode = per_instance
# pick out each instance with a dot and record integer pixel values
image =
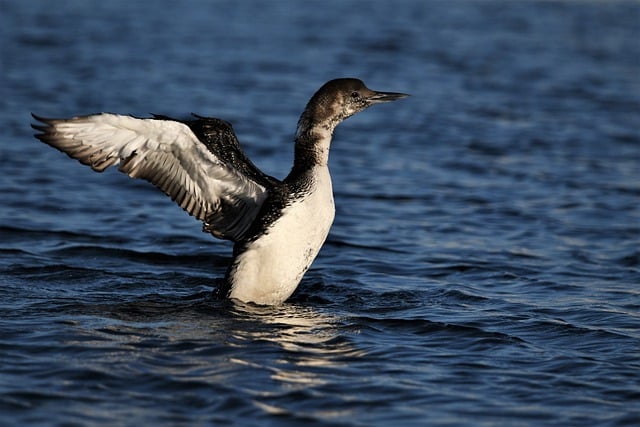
(251, 352)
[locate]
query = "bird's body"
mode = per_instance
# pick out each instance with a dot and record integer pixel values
(278, 259)
(278, 226)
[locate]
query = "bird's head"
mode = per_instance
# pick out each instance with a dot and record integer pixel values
(339, 99)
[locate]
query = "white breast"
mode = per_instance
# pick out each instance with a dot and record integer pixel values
(271, 268)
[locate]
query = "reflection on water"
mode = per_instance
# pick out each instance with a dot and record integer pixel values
(309, 339)
(288, 349)
(309, 348)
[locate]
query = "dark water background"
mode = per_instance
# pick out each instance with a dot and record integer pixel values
(483, 268)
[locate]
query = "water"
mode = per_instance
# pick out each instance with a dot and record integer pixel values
(484, 264)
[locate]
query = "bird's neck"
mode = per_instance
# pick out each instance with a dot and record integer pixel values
(313, 141)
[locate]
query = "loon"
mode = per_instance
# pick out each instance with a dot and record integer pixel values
(277, 227)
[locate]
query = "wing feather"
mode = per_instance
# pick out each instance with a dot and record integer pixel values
(226, 196)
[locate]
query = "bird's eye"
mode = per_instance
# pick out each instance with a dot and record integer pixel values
(355, 94)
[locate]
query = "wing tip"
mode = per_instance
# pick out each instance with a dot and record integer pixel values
(44, 128)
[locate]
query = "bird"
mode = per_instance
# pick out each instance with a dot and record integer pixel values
(277, 226)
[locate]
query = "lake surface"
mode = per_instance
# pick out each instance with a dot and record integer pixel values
(483, 268)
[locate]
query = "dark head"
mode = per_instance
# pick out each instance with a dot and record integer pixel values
(339, 99)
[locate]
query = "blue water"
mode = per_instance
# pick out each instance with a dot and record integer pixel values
(483, 268)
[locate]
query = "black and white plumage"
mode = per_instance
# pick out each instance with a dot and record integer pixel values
(278, 226)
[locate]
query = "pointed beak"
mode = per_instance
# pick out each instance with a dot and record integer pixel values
(379, 97)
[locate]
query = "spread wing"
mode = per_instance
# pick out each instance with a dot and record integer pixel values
(198, 163)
